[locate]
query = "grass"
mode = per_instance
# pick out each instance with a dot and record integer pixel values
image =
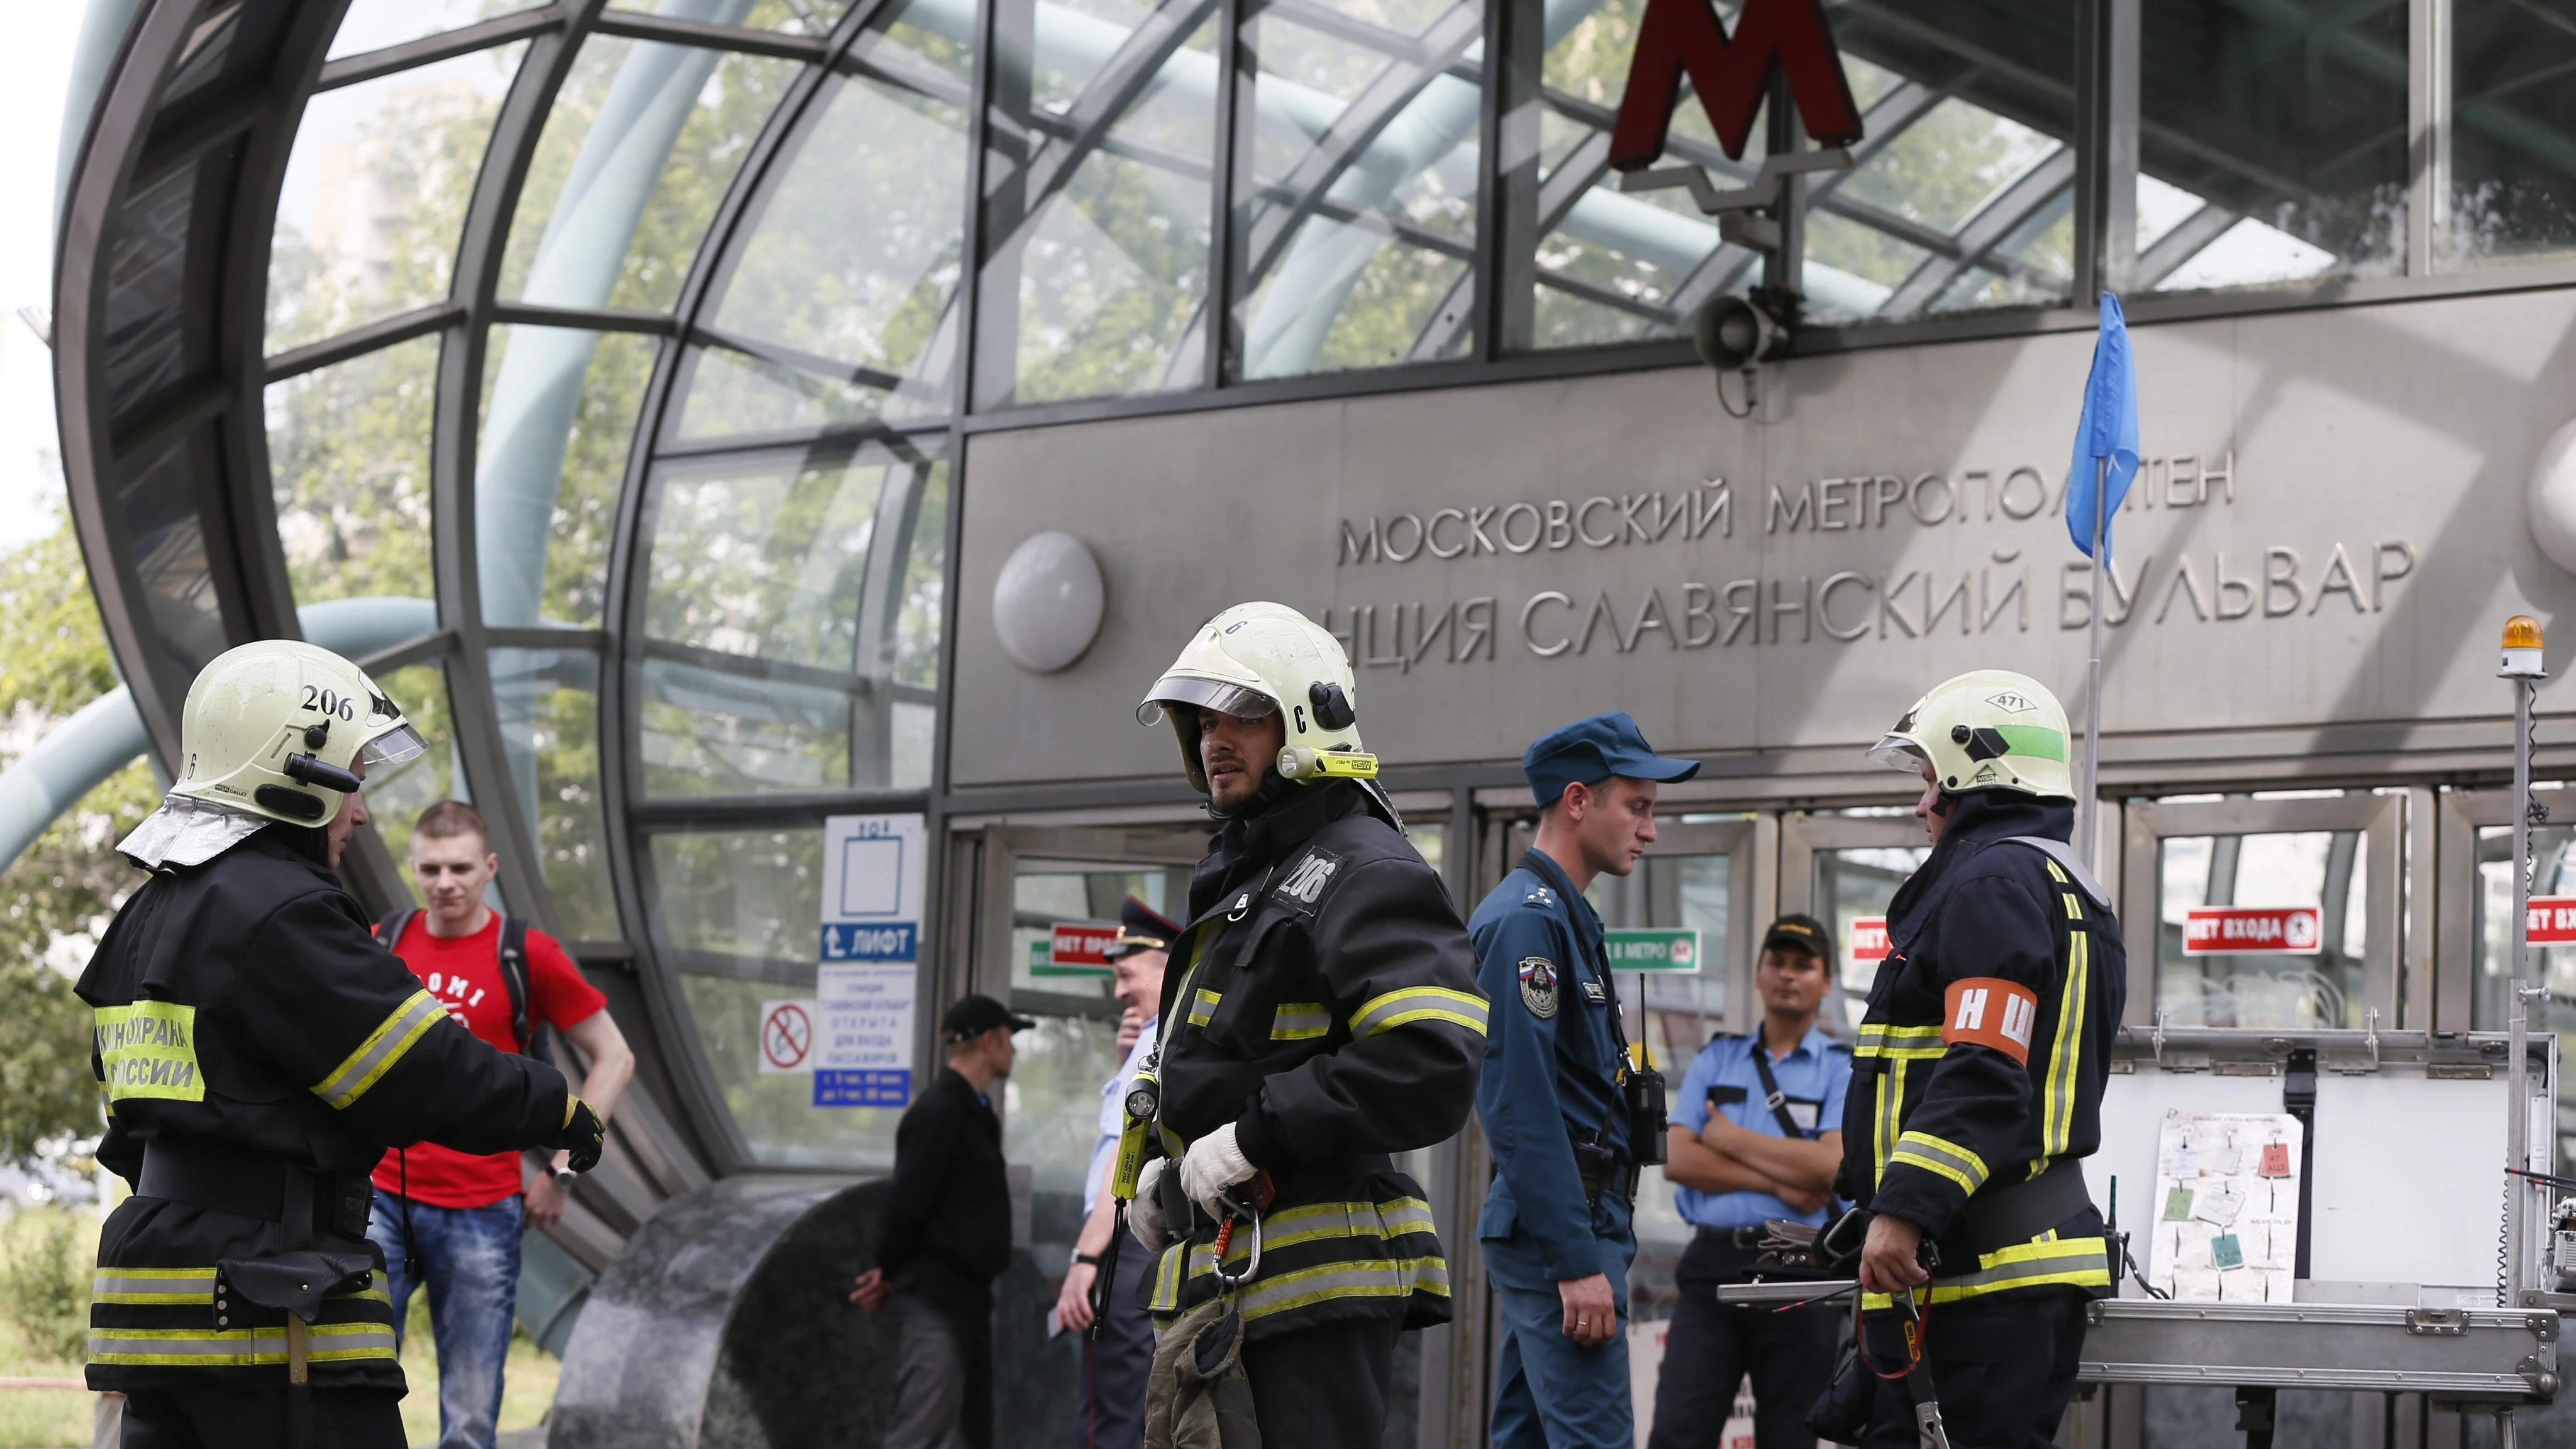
(61, 1418)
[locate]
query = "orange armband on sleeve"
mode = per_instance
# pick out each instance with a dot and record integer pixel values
(1990, 1012)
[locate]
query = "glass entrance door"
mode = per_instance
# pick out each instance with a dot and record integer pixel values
(2266, 910)
(1843, 869)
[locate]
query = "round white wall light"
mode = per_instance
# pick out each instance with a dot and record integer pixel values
(2552, 502)
(1047, 603)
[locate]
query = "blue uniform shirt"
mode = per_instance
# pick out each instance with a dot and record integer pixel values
(1816, 1071)
(1551, 1072)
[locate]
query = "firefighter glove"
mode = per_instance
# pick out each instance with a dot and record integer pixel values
(583, 1134)
(1213, 1164)
(1145, 1214)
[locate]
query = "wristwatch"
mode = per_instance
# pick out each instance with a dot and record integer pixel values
(1093, 1259)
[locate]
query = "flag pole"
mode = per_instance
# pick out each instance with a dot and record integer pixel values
(2088, 787)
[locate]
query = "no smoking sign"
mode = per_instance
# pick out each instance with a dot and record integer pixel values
(786, 1036)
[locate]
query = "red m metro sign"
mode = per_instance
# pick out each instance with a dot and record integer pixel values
(1731, 75)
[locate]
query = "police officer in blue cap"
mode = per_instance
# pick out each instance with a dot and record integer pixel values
(1556, 1229)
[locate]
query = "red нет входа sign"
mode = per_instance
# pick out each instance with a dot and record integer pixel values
(1868, 940)
(2252, 931)
(1074, 944)
(2552, 921)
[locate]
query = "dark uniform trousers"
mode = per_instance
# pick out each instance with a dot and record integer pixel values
(1115, 1365)
(2003, 1368)
(1709, 1347)
(1323, 1387)
(256, 1419)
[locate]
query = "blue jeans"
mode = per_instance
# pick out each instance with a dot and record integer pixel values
(469, 1258)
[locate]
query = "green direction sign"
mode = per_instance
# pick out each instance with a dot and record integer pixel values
(1654, 950)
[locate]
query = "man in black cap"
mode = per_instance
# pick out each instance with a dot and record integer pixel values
(945, 1235)
(1099, 1297)
(1756, 1136)
(1557, 1228)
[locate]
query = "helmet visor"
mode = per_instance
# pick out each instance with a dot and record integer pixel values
(394, 746)
(1896, 752)
(1199, 693)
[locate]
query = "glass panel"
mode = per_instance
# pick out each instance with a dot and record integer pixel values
(559, 411)
(1046, 892)
(1849, 884)
(2301, 868)
(638, 150)
(1692, 891)
(165, 542)
(1097, 222)
(851, 271)
(739, 908)
(2279, 134)
(2553, 851)
(348, 449)
(797, 603)
(548, 704)
(1355, 215)
(396, 794)
(800, 17)
(375, 24)
(2513, 131)
(375, 194)
(147, 265)
(1051, 1112)
(210, 53)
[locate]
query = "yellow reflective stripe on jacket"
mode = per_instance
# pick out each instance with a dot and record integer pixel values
(1949, 1159)
(2074, 907)
(153, 1285)
(2055, 872)
(1301, 1021)
(1898, 1043)
(1317, 1222)
(2040, 1263)
(1409, 1004)
(2057, 1093)
(238, 1347)
(1203, 1005)
(1384, 1278)
(383, 1047)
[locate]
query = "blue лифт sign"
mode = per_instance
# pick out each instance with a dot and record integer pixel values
(893, 941)
(862, 1088)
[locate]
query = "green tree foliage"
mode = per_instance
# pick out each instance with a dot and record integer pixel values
(46, 1256)
(56, 898)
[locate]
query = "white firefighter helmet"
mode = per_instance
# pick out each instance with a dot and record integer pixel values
(1988, 729)
(1260, 659)
(275, 728)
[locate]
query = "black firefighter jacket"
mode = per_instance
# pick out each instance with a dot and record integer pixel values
(1323, 997)
(1985, 1046)
(244, 1013)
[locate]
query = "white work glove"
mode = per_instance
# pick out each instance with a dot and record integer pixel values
(1145, 1214)
(1212, 1165)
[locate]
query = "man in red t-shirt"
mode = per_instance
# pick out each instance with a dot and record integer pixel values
(450, 1220)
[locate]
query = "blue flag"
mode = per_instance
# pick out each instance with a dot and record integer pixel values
(2109, 429)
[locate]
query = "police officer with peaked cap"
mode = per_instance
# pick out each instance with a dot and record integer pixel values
(1977, 1085)
(259, 1051)
(1557, 1229)
(1320, 1013)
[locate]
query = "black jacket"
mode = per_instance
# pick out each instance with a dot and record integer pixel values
(1935, 1116)
(946, 1224)
(1323, 998)
(245, 1017)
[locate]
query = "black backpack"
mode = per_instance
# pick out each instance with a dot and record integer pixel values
(514, 975)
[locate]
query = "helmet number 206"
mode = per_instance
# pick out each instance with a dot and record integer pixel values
(329, 702)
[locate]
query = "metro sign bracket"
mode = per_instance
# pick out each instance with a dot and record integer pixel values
(1734, 209)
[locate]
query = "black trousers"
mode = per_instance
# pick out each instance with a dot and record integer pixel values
(1323, 1387)
(256, 1419)
(2003, 1368)
(1115, 1365)
(1709, 1347)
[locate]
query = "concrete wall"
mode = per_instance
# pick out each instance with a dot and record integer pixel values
(1891, 517)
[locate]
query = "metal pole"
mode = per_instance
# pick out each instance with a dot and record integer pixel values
(2088, 787)
(2518, 1017)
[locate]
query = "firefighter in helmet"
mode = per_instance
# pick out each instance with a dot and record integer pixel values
(1977, 1082)
(258, 1051)
(1320, 1013)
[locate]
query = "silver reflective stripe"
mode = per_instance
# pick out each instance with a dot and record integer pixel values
(220, 1347)
(1409, 1004)
(1394, 1278)
(153, 1285)
(1300, 1021)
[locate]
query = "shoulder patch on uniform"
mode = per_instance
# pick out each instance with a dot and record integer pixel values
(1307, 879)
(1538, 986)
(1540, 898)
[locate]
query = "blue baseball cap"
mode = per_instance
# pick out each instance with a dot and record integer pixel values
(1590, 751)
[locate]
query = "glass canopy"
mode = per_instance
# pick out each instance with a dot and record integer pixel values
(618, 357)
